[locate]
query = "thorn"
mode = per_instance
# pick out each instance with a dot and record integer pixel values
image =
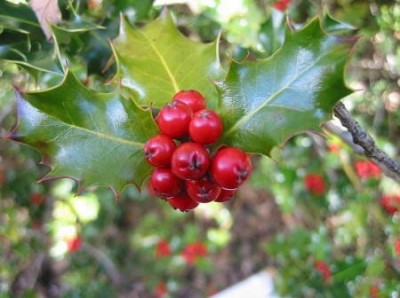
(80, 188)
(164, 12)
(117, 196)
(19, 89)
(290, 24)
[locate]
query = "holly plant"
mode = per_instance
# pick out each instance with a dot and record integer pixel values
(98, 138)
(144, 100)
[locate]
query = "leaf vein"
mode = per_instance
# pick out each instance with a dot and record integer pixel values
(249, 115)
(163, 62)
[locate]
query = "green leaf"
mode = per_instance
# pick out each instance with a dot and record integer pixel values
(96, 138)
(40, 61)
(89, 40)
(272, 33)
(333, 26)
(135, 10)
(18, 13)
(22, 41)
(265, 102)
(157, 61)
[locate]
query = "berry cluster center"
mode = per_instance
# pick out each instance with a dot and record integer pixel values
(187, 172)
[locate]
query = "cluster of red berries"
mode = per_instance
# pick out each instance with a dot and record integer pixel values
(187, 172)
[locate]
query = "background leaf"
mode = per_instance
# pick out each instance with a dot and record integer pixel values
(265, 102)
(94, 137)
(17, 13)
(22, 41)
(156, 61)
(89, 40)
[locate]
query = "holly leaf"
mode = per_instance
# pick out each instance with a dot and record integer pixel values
(22, 43)
(334, 26)
(89, 40)
(17, 13)
(272, 33)
(265, 102)
(157, 61)
(96, 138)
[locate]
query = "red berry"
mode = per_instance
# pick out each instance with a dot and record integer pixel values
(315, 184)
(182, 202)
(158, 151)
(281, 4)
(323, 269)
(194, 251)
(374, 291)
(173, 119)
(205, 127)
(161, 290)
(190, 161)
(192, 98)
(36, 198)
(225, 195)
(397, 247)
(230, 167)
(74, 244)
(203, 190)
(367, 169)
(164, 183)
(391, 203)
(163, 249)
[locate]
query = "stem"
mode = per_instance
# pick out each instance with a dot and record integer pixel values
(390, 167)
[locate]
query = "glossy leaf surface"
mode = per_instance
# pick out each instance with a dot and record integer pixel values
(265, 102)
(157, 61)
(96, 138)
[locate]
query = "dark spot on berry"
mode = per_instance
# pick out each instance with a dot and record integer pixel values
(195, 162)
(241, 174)
(149, 153)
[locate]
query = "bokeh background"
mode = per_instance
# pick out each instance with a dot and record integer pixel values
(317, 215)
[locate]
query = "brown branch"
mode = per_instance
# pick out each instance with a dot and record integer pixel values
(26, 279)
(390, 167)
(343, 134)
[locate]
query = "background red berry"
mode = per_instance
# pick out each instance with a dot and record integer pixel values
(205, 127)
(323, 269)
(397, 247)
(190, 161)
(315, 184)
(158, 151)
(161, 290)
(194, 99)
(281, 4)
(194, 251)
(164, 183)
(163, 249)
(367, 169)
(230, 167)
(391, 203)
(36, 198)
(74, 244)
(173, 120)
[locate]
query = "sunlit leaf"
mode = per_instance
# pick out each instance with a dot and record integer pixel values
(156, 61)
(265, 102)
(96, 138)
